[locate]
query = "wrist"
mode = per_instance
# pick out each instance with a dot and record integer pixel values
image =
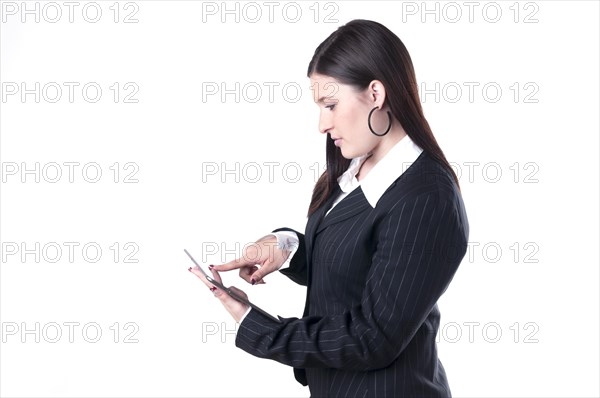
(242, 314)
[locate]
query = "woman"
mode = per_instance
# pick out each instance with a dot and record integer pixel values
(386, 232)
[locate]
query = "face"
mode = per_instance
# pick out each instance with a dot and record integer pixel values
(344, 112)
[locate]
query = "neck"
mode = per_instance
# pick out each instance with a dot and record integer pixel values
(380, 150)
(387, 143)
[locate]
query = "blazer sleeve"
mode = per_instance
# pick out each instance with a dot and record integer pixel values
(297, 269)
(419, 245)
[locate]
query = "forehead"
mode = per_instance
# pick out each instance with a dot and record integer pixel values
(325, 87)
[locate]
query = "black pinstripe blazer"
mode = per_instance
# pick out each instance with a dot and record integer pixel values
(373, 278)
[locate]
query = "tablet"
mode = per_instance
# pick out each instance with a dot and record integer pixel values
(231, 292)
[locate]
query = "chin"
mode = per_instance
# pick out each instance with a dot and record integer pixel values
(350, 153)
(347, 155)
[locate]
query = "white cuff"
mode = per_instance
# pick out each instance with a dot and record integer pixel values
(287, 240)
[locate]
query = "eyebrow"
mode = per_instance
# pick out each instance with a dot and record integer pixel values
(324, 97)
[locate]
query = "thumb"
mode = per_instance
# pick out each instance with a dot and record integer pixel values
(263, 271)
(239, 292)
(256, 277)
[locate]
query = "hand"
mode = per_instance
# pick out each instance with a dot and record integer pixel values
(263, 252)
(234, 307)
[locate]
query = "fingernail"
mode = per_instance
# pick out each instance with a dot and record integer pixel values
(252, 281)
(190, 269)
(212, 289)
(210, 266)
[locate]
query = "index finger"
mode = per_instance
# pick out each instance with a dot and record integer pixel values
(234, 264)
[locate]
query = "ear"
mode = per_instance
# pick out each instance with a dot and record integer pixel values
(376, 93)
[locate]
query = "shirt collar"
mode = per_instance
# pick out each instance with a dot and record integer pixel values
(384, 173)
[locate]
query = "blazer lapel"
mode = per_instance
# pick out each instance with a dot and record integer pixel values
(316, 219)
(310, 232)
(351, 205)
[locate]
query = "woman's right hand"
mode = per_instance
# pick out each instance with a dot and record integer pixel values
(258, 260)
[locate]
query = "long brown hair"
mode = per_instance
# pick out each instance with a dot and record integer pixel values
(356, 54)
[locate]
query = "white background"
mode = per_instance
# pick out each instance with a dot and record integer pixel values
(531, 273)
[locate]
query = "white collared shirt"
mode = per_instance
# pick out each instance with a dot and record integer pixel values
(380, 177)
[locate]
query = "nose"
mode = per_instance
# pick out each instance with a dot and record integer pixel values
(325, 123)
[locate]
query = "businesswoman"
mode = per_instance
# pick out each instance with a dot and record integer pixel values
(386, 232)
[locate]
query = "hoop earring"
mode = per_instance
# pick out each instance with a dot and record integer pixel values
(389, 125)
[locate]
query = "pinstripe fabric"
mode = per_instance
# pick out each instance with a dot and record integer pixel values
(373, 278)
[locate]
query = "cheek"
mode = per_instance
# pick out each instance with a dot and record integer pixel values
(353, 122)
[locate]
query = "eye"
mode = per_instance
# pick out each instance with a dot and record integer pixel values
(330, 107)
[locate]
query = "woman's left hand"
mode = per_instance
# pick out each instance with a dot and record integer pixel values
(235, 308)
